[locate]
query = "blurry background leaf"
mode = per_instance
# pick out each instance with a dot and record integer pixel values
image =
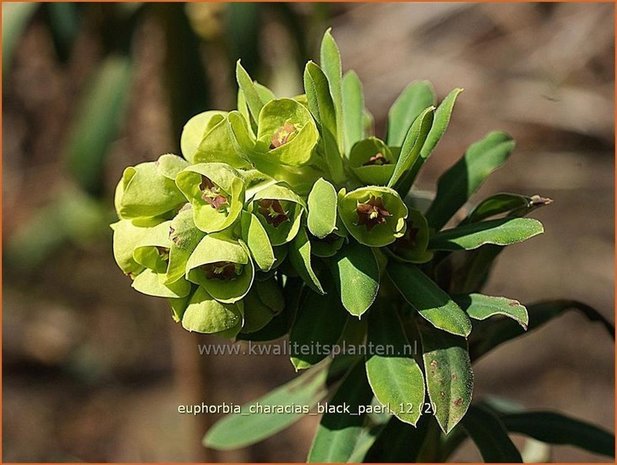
(97, 122)
(15, 17)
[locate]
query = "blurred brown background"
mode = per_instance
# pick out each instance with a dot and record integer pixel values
(94, 371)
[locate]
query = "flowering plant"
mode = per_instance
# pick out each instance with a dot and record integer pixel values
(288, 216)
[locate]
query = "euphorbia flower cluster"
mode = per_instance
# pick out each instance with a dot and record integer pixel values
(208, 228)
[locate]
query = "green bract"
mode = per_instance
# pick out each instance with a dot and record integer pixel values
(216, 192)
(148, 189)
(373, 161)
(221, 266)
(288, 131)
(289, 217)
(373, 215)
(280, 212)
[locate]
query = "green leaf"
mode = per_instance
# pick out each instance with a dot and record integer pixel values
(414, 140)
(353, 108)
(338, 433)
(428, 299)
(555, 428)
(322, 208)
(407, 107)
(97, 121)
(440, 124)
(251, 426)
(459, 182)
(331, 64)
(300, 257)
(395, 377)
(491, 334)
(514, 205)
(320, 323)
(356, 274)
(505, 231)
(247, 86)
(322, 107)
(481, 307)
(255, 236)
(449, 378)
(491, 437)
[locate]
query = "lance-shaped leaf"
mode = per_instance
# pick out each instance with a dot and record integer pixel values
(300, 258)
(319, 323)
(406, 108)
(280, 212)
(373, 215)
(145, 191)
(263, 302)
(514, 205)
(206, 315)
(372, 161)
(491, 436)
(353, 109)
(449, 379)
(254, 425)
(431, 302)
(356, 274)
(216, 192)
(412, 246)
(481, 307)
(322, 209)
(184, 236)
(339, 432)
(413, 143)
(153, 252)
(491, 334)
(322, 107)
(288, 131)
(264, 93)
(457, 184)
(195, 130)
(555, 428)
(394, 376)
(256, 237)
(505, 231)
(332, 68)
(222, 266)
(247, 86)
(438, 129)
(440, 124)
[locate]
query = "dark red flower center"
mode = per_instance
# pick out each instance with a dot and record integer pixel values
(225, 271)
(212, 194)
(378, 159)
(272, 211)
(282, 135)
(372, 212)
